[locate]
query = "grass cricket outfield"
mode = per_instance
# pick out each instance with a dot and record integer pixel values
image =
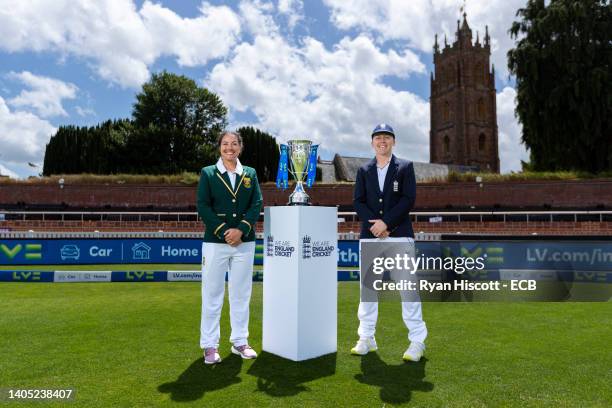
(136, 344)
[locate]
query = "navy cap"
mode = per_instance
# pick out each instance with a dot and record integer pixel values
(383, 128)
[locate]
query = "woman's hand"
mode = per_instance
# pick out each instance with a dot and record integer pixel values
(378, 228)
(233, 236)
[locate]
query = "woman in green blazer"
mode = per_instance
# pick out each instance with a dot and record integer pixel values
(229, 202)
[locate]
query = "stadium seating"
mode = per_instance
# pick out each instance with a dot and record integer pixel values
(446, 227)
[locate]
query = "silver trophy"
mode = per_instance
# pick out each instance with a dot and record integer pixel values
(299, 152)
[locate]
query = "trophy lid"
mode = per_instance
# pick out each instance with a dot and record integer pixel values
(299, 142)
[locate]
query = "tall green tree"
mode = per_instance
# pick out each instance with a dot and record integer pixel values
(97, 149)
(260, 151)
(179, 122)
(562, 61)
(174, 128)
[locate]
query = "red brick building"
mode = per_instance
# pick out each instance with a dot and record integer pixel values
(462, 103)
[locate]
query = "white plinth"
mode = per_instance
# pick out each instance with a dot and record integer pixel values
(300, 292)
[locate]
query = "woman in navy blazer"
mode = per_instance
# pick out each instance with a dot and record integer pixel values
(385, 191)
(393, 204)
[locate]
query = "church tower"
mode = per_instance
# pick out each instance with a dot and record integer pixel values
(462, 103)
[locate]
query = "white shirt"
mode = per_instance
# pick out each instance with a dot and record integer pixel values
(231, 174)
(382, 174)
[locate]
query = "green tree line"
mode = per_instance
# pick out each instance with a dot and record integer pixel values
(174, 128)
(563, 67)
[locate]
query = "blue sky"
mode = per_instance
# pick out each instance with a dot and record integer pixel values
(327, 70)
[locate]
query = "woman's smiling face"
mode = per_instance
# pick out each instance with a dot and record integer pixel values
(230, 148)
(383, 144)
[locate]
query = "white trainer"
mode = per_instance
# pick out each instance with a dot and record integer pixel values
(364, 346)
(244, 351)
(414, 352)
(211, 356)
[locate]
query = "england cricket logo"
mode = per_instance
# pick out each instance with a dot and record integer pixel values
(269, 245)
(306, 247)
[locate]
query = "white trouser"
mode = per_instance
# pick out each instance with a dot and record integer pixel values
(238, 262)
(411, 314)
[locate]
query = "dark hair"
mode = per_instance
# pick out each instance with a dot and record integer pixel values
(227, 132)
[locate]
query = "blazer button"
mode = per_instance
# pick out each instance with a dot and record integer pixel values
(380, 200)
(380, 212)
(234, 214)
(233, 200)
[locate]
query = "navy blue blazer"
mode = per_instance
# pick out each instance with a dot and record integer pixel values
(393, 204)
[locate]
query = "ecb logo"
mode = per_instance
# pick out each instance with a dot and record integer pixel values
(278, 248)
(322, 249)
(269, 245)
(140, 275)
(283, 248)
(306, 247)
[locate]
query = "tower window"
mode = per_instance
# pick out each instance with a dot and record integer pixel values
(478, 71)
(481, 109)
(446, 112)
(482, 140)
(446, 144)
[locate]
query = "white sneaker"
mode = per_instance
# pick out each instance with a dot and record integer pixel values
(364, 346)
(244, 351)
(211, 356)
(414, 352)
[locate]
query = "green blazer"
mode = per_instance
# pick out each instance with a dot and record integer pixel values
(222, 207)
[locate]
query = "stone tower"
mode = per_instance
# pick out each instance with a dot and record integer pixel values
(462, 103)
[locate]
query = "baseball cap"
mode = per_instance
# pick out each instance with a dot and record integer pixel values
(383, 128)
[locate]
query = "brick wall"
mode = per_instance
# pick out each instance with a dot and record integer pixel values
(510, 228)
(585, 194)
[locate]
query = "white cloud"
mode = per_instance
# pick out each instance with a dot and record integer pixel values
(256, 17)
(295, 87)
(333, 97)
(293, 10)
(193, 41)
(23, 136)
(5, 171)
(511, 150)
(84, 111)
(45, 95)
(117, 39)
(416, 21)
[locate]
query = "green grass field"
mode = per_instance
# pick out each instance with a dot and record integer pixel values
(136, 344)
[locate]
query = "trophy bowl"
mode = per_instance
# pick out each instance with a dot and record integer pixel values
(299, 153)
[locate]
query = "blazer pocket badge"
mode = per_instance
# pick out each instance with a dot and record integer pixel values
(247, 182)
(395, 186)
